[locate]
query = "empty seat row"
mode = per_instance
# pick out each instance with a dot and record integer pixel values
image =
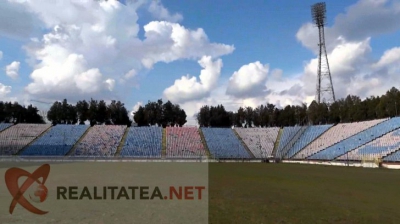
(309, 135)
(101, 141)
(58, 141)
(143, 142)
(184, 142)
(334, 135)
(287, 134)
(358, 140)
(376, 149)
(223, 143)
(4, 126)
(260, 141)
(16, 137)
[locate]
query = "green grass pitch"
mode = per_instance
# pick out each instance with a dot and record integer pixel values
(296, 193)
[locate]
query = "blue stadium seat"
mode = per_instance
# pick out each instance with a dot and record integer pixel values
(308, 136)
(223, 143)
(100, 141)
(357, 140)
(143, 142)
(4, 126)
(57, 141)
(376, 149)
(16, 137)
(260, 141)
(287, 134)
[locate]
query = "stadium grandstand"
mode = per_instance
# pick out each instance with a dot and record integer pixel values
(375, 139)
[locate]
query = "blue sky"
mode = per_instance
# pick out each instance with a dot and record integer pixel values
(85, 56)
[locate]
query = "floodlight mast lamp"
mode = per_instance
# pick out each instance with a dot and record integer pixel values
(318, 12)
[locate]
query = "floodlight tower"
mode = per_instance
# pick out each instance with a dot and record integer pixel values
(325, 92)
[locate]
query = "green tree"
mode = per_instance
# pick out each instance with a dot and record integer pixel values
(82, 109)
(161, 114)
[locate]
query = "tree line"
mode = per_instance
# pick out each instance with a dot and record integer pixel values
(93, 111)
(348, 109)
(262, 116)
(161, 114)
(16, 113)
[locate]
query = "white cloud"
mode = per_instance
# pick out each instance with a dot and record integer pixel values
(137, 105)
(167, 42)
(308, 37)
(91, 43)
(248, 81)
(360, 21)
(349, 51)
(130, 74)
(68, 76)
(12, 69)
(188, 88)
(216, 96)
(110, 83)
(353, 72)
(158, 11)
(390, 57)
(1, 55)
(346, 60)
(4, 90)
(135, 108)
(365, 19)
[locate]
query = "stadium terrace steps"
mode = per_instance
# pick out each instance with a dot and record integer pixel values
(143, 142)
(277, 142)
(393, 156)
(376, 149)
(310, 142)
(203, 140)
(244, 144)
(362, 145)
(357, 140)
(57, 141)
(223, 144)
(101, 141)
(328, 135)
(287, 135)
(4, 126)
(121, 143)
(184, 142)
(16, 137)
(37, 137)
(72, 151)
(293, 141)
(259, 141)
(164, 143)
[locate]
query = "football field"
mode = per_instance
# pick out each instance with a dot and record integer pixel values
(294, 193)
(237, 193)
